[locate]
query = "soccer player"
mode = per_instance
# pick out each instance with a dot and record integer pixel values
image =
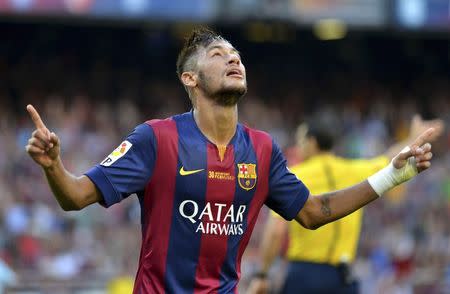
(201, 178)
(319, 260)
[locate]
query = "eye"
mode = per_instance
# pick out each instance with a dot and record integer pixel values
(217, 53)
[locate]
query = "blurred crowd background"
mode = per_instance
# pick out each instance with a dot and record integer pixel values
(94, 76)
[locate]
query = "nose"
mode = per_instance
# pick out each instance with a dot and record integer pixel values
(234, 59)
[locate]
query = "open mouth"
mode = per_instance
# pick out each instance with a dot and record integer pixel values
(234, 73)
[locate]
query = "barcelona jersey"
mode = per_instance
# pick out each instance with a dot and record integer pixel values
(197, 209)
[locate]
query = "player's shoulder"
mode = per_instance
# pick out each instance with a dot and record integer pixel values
(170, 122)
(257, 136)
(167, 126)
(157, 124)
(141, 134)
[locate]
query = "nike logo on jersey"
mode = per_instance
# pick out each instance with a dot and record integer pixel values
(189, 172)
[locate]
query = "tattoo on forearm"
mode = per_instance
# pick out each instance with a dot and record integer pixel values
(325, 200)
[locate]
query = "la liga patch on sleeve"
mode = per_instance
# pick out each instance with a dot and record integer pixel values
(120, 151)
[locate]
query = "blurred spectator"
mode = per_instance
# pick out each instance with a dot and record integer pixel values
(7, 276)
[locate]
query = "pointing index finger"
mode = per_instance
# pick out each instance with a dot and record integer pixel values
(35, 117)
(423, 138)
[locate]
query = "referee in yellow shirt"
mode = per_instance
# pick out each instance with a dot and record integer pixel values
(319, 260)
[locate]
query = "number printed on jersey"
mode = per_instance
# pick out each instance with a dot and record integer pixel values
(117, 153)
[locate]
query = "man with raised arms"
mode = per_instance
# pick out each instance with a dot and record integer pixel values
(201, 178)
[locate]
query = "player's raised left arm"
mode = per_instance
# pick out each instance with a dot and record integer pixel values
(325, 208)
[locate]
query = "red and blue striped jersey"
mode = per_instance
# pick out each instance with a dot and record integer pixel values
(197, 211)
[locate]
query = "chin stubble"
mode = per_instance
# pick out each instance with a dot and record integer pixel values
(224, 96)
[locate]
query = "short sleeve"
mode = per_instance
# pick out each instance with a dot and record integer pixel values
(287, 194)
(128, 168)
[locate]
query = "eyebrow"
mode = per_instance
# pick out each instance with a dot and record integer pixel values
(222, 47)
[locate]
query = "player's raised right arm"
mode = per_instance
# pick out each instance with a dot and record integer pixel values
(328, 207)
(71, 192)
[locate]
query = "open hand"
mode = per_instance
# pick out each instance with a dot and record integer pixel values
(43, 146)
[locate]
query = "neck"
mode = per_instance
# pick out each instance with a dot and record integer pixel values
(218, 123)
(321, 153)
(317, 153)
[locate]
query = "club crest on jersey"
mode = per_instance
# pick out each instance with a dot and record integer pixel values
(117, 153)
(247, 175)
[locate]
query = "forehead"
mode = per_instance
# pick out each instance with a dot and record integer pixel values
(220, 44)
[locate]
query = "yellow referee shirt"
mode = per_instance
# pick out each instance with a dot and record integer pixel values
(337, 241)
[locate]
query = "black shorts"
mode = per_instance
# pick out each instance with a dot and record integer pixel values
(317, 278)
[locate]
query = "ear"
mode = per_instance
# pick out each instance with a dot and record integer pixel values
(189, 79)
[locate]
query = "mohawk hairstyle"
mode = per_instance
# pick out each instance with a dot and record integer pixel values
(200, 37)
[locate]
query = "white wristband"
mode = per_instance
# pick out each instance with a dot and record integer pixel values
(389, 177)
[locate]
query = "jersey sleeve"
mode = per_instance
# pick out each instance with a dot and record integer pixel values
(287, 194)
(128, 168)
